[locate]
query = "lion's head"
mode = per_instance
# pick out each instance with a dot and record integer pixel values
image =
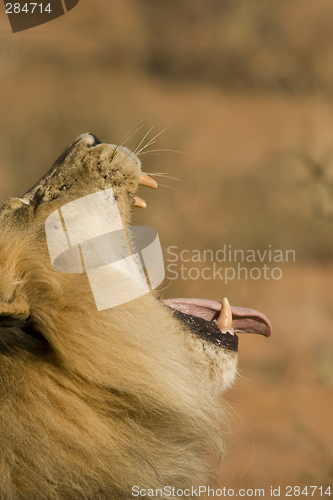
(95, 402)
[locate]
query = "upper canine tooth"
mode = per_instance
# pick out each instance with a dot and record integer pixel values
(224, 321)
(139, 202)
(145, 180)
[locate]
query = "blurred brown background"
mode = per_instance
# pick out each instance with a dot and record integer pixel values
(245, 88)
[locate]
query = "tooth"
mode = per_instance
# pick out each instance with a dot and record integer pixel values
(224, 321)
(139, 202)
(145, 180)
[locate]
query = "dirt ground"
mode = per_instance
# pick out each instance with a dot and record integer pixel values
(256, 172)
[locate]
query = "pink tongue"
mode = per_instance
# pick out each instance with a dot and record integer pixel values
(243, 319)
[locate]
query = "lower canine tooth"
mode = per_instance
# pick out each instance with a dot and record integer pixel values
(224, 321)
(139, 202)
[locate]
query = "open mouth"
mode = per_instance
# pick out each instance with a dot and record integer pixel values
(214, 321)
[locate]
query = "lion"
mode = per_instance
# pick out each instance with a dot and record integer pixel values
(104, 404)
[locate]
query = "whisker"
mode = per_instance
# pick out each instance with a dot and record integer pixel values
(169, 187)
(136, 149)
(161, 174)
(138, 152)
(134, 152)
(152, 140)
(126, 138)
(244, 378)
(162, 150)
(148, 144)
(114, 154)
(147, 152)
(165, 288)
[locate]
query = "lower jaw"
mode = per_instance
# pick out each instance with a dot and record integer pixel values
(208, 331)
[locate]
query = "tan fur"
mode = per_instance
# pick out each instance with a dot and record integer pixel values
(127, 396)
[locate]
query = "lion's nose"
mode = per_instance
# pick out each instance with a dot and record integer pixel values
(96, 140)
